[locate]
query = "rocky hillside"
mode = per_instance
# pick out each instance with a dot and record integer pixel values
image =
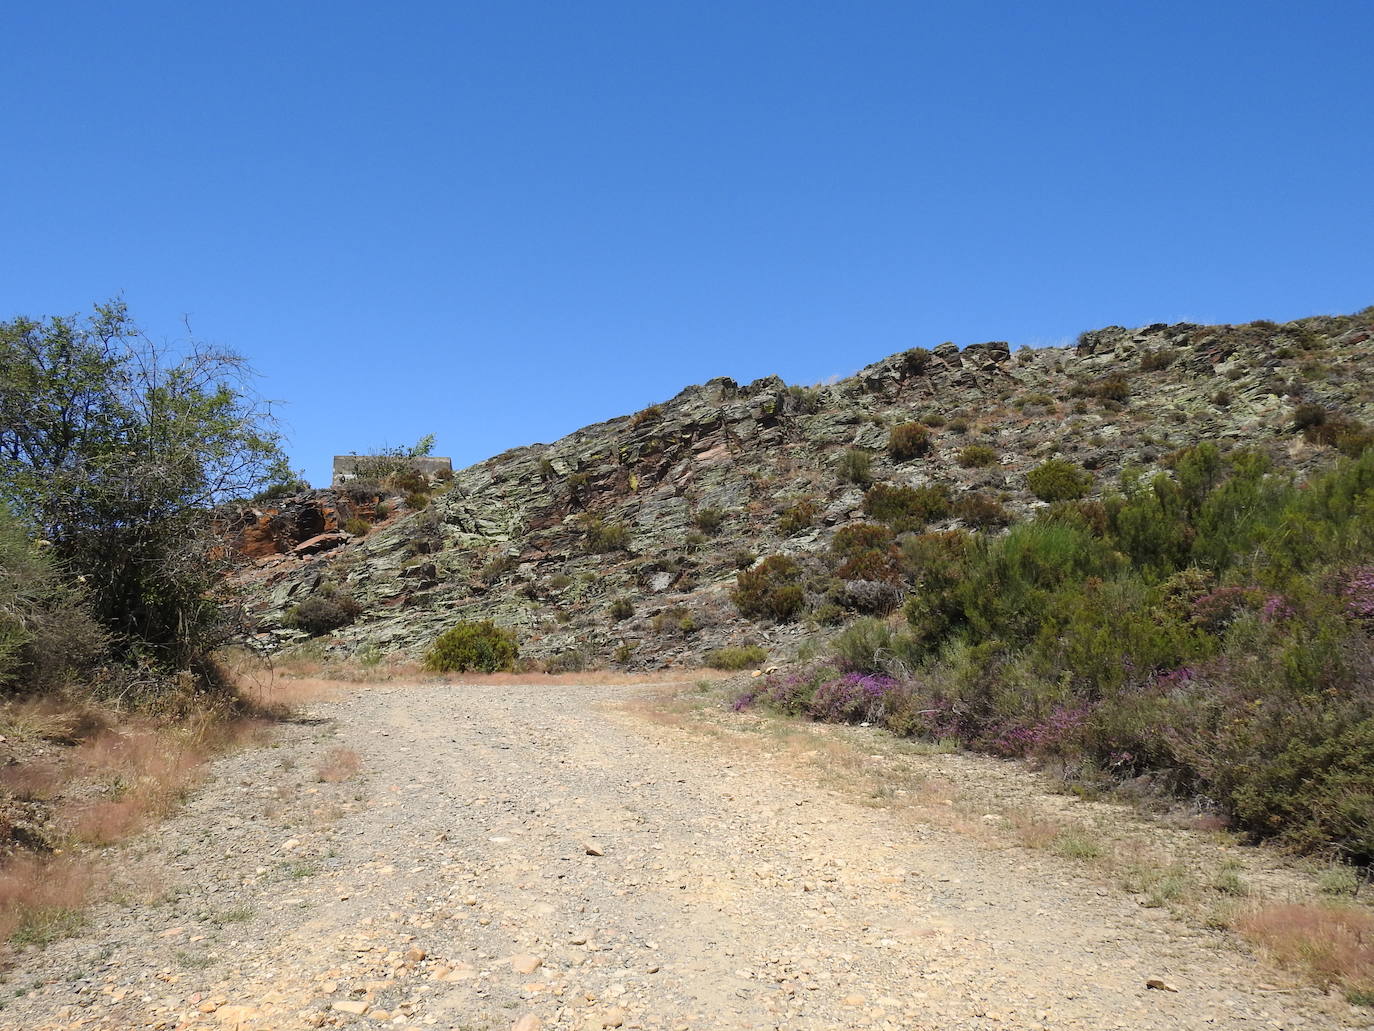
(620, 544)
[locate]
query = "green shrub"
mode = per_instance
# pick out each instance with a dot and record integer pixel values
(622, 608)
(743, 559)
(907, 441)
(976, 456)
(47, 633)
(602, 537)
(858, 538)
(736, 658)
(855, 466)
(1057, 480)
(1114, 388)
(933, 419)
(1154, 361)
(865, 646)
(797, 517)
(1307, 416)
(481, 646)
(980, 511)
(325, 610)
(708, 520)
(805, 400)
(357, 527)
(959, 425)
(567, 660)
(907, 508)
(915, 360)
(770, 590)
(416, 500)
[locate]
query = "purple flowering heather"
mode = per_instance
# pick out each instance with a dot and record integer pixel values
(1359, 592)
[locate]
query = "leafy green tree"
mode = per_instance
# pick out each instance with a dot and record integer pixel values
(117, 450)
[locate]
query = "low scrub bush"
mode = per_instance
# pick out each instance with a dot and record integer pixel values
(770, 590)
(855, 466)
(981, 512)
(708, 520)
(746, 657)
(327, 609)
(976, 456)
(1058, 480)
(797, 517)
(602, 538)
(907, 441)
(907, 508)
(621, 608)
(647, 416)
(481, 646)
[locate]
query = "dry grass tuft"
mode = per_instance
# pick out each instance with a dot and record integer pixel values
(41, 898)
(118, 774)
(1333, 945)
(338, 765)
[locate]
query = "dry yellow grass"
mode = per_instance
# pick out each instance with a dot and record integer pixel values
(1332, 945)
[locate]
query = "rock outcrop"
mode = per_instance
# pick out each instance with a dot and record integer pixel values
(661, 508)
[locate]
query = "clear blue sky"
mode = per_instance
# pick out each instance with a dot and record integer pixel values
(499, 221)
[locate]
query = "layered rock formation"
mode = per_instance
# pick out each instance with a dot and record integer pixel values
(698, 486)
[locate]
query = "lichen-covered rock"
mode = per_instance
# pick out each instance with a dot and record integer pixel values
(508, 539)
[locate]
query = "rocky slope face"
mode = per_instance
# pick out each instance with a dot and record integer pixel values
(620, 543)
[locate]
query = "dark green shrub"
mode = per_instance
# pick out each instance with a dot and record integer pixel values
(622, 608)
(804, 400)
(357, 527)
(908, 440)
(416, 500)
(325, 610)
(907, 508)
(976, 456)
(770, 590)
(1154, 361)
(1057, 480)
(736, 658)
(855, 466)
(915, 361)
(797, 517)
(1307, 416)
(481, 646)
(959, 425)
(708, 520)
(933, 419)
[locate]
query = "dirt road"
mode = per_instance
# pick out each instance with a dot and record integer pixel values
(537, 857)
